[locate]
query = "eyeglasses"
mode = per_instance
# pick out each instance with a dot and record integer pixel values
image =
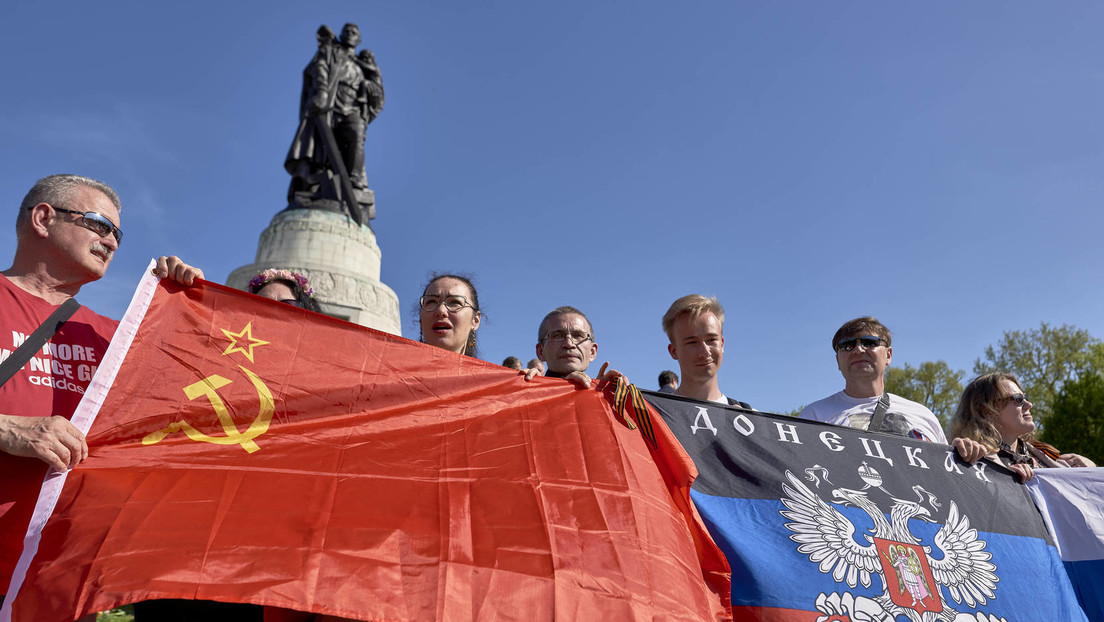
(453, 303)
(561, 336)
(868, 342)
(293, 302)
(95, 223)
(1019, 398)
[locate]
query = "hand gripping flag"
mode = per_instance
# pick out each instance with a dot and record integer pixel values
(827, 523)
(247, 451)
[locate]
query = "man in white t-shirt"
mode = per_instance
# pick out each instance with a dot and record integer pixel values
(863, 350)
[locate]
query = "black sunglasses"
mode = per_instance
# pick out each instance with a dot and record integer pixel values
(1019, 398)
(868, 342)
(96, 223)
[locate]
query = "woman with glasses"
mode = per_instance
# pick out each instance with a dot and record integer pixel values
(448, 314)
(285, 286)
(994, 412)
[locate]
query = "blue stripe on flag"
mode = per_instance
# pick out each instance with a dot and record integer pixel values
(768, 571)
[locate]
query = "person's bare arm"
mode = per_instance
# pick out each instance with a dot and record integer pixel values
(53, 440)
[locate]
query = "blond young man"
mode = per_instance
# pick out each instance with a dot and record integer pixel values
(695, 329)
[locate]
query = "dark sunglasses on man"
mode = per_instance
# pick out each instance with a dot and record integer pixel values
(868, 342)
(96, 223)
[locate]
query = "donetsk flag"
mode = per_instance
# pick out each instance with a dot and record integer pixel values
(247, 451)
(826, 523)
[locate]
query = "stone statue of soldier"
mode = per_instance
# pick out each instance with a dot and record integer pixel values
(342, 94)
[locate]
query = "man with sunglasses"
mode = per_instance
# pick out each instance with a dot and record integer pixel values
(863, 350)
(67, 232)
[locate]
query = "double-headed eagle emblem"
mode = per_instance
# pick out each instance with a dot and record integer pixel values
(911, 577)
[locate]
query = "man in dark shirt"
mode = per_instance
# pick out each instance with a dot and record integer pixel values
(668, 381)
(565, 342)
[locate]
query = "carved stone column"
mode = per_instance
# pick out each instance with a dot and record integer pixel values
(339, 257)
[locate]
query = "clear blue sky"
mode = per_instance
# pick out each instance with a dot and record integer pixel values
(937, 165)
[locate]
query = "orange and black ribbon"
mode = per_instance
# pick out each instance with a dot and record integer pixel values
(629, 405)
(1050, 450)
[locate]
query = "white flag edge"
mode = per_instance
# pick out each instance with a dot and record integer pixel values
(85, 414)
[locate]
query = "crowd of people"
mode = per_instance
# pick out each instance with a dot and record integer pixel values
(68, 230)
(993, 419)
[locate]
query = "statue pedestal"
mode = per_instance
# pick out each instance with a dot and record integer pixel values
(340, 258)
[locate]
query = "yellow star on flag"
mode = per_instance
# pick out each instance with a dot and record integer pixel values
(236, 339)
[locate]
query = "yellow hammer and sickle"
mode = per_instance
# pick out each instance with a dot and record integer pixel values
(209, 387)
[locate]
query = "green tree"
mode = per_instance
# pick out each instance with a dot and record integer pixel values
(1077, 423)
(1043, 359)
(934, 385)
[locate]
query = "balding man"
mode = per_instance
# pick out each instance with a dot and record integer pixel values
(67, 233)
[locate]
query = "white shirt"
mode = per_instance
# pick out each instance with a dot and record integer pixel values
(906, 417)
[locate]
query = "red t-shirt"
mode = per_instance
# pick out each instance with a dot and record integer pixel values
(51, 383)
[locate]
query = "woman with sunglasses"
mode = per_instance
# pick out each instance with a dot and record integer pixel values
(994, 412)
(285, 286)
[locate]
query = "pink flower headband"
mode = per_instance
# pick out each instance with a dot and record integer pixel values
(276, 274)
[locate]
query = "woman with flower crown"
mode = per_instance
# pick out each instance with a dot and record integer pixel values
(285, 286)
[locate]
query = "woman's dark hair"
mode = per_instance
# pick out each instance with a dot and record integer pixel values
(470, 349)
(305, 301)
(300, 287)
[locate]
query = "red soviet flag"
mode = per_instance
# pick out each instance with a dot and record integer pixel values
(247, 451)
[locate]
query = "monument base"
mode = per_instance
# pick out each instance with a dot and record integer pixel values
(340, 258)
(366, 201)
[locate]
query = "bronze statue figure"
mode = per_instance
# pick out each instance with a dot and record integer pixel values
(342, 94)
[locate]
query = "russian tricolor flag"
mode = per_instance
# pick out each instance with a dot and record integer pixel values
(1072, 504)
